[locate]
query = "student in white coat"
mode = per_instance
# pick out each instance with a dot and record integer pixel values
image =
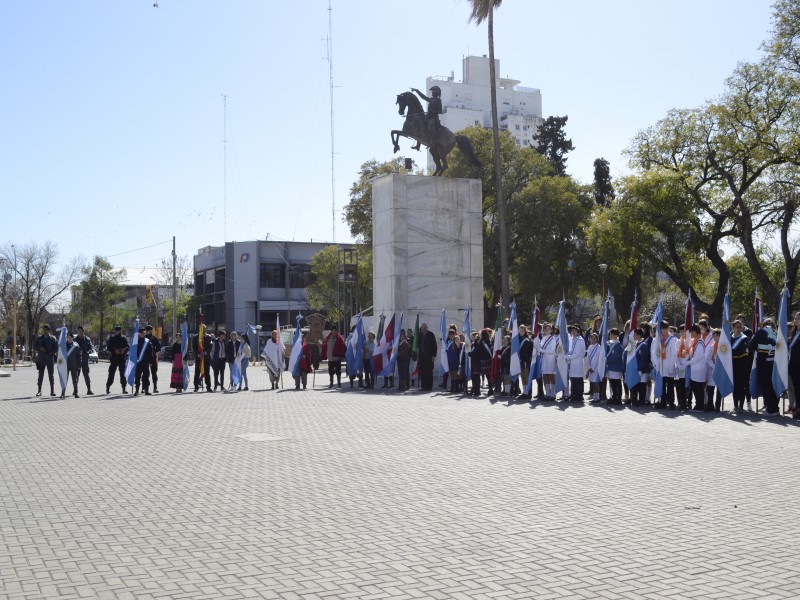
(575, 360)
(695, 361)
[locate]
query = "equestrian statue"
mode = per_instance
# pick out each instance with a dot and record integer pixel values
(426, 129)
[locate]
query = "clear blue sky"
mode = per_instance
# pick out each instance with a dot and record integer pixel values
(113, 115)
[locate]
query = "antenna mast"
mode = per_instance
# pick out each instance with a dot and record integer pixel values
(330, 69)
(225, 168)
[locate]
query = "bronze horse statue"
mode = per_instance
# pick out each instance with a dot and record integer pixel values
(439, 144)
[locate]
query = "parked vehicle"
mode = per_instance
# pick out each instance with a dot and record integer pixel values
(93, 357)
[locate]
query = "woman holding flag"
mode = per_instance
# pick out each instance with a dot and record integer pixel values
(176, 376)
(547, 354)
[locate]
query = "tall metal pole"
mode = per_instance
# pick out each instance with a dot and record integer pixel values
(225, 168)
(330, 70)
(174, 291)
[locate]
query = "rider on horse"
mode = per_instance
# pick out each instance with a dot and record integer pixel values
(434, 110)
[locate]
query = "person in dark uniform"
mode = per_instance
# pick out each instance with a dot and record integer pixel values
(46, 348)
(434, 110)
(427, 354)
(202, 362)
(741, 365)
(155, 344)
(73, 364)
(762, 345)
(85, 346)
(117, 346)
(145, 358)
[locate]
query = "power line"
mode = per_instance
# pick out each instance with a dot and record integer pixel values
(137, 249)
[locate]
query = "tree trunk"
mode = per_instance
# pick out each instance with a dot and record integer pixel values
(501, 205)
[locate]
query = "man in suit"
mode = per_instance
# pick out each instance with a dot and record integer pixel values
(427, 354)
(218, 359)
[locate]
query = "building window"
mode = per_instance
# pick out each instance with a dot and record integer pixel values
(210, 281)
(272, 276)
(477, 123)
(300, 276)
(517, 127)
(219, 280)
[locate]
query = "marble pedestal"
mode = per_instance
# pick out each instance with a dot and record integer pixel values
(427, 249)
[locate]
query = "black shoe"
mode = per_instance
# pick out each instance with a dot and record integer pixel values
(155, 390)
(124, 390)
(90, 393)
(108, 391)
(52, 393)
(76, 395)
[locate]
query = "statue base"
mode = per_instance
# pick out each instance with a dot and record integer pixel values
(427, 249)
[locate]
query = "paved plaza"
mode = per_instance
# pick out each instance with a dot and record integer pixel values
(329, 494)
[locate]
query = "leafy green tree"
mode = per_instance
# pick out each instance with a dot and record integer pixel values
(483, 10)
(99, 291)
(552, 143)
(323, 294)
(603, 190)
(653, 226)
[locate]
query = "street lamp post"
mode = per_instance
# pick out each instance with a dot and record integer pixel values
(603, 268)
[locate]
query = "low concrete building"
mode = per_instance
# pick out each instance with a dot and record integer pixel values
(253, 282)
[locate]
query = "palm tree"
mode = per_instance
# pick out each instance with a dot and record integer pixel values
(483, 10)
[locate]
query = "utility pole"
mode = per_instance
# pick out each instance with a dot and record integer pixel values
(224, 168)
(330, 73)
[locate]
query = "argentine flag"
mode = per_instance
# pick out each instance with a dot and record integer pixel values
(631, 368)
(723, 367)
(780, 368)
(655, 351)
(515, 367)
(61, 359)
(133, 355)
(536, 366)
(562, 369)
(466, 347)
(297, 349)
(444, 364)
(355, 349)
(601, 363)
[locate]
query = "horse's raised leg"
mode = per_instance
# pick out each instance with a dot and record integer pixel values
(396, 133)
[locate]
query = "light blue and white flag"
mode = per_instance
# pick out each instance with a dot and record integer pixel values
(444, 364)
(656, 355)
(236, 366)
(61, 358)
(780, 368)
(297, 349)
(562, 368)
(515, 365)
(133, 355)
(184, 352)
(466, 347)
(601, 362)
(631, 367)
(723, 367)
(354, 355)
(536, 367)
(389, 370)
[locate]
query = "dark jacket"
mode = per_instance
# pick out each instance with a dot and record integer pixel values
(644, 364)
(155, 344)
(427, 346)
(117, 346)
(74, 357)
(404, 350)
(614, 360)
(46, 348)
(84, 348)
(146, 352)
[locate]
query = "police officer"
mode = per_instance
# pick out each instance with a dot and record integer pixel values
(117, 346)
(144, 360)
(46, 348)
(85, 346)
(762, 345)
(434, 110)
(155, 344)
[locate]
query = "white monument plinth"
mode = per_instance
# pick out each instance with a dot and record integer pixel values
(427, 246)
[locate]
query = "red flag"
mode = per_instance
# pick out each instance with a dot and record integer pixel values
(200, 335)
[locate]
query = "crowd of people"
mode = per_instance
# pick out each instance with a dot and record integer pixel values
(484, 363)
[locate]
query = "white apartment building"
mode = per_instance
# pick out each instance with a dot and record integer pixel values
(468, 102)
